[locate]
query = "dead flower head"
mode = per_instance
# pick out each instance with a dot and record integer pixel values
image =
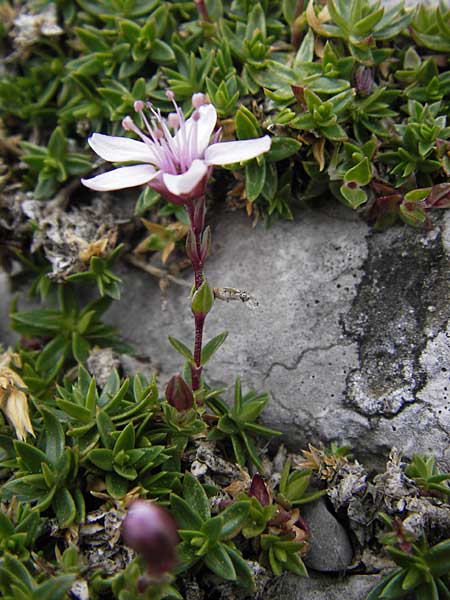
(13, 399)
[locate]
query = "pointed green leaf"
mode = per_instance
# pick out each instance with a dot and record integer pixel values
(184, 515)
(195, 496)
(219, 562)
(64, 507)
(212, 346)
(126, 440)
(182, 349)
(54, 436)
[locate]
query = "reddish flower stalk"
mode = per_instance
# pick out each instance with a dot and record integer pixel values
(197, 254)
(175, 157)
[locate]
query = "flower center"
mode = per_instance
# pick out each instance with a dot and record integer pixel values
(173, 153)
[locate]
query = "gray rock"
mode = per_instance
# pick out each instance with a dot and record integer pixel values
(331, 550)
(349, 337)
(354, 587)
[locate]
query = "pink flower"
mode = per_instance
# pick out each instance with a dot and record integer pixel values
(176, 155)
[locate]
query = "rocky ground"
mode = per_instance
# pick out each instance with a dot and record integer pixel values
(347, 329)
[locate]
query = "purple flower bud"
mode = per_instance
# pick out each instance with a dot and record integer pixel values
(364, 80)
(179, 394)
(258, 490)
(151, 531)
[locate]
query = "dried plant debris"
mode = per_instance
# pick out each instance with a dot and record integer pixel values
(392, 492)
(207, 460)
(101, 362)
(29, 27)
(99, 537)
(71, 238)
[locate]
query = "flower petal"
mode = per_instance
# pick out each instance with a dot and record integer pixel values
(205, 126)
(179, 185)
(121, 149)
(121, 178)
(227, 153)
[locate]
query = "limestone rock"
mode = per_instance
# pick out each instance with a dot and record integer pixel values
(350, 336)
(354, 587)
(331, 550)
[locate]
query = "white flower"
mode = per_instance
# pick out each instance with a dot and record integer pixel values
(175, 156)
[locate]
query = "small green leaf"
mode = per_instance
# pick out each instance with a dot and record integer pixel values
(212, 528)
(244, 573)
(64, 507)
(295, 564)
(219, 562)
(212, 346)
(234, 517)
(54, 436)
(54, 588)
(255, 177)
(101, 458)
(281, 148)
(80, 347)
(116, 486)
(412, 579)
(184, 515)
(30, 457)
(354, 196)
(438, 557)
(6, 527)
(105, 427)
(195, 496)
(182, 349)
(126, 440)
(162, 53)
(56, 348)
(247, 126)
(360, 173)
(214, 9)
(57, 144)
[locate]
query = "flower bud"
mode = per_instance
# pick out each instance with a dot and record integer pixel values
(179, 394)
(151, 531)
(139, 105)
(258, 490)
(202, 300)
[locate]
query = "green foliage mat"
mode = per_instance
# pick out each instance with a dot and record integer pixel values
(355, 95)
